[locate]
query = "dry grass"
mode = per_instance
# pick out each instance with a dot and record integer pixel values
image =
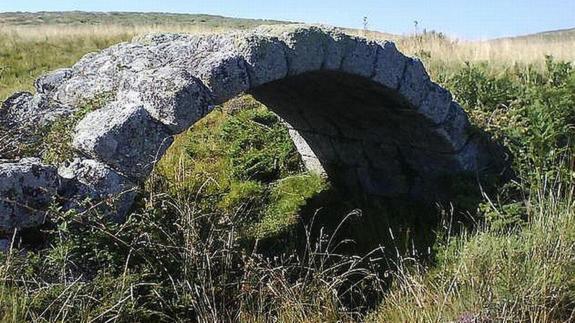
(58, 32)
(431, 45)
(437, 48)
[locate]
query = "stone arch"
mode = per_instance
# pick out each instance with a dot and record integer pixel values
(358, 110)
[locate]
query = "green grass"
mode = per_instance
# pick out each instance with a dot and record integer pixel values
(22, 61)
(217, 232)
(241, 162)
(517, 264)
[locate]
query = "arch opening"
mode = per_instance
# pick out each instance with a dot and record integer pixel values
(363, 136)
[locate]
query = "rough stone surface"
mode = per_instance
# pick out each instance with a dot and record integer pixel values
(48, 82)
(414, 86)
(265, 57)
(27, 189)
(125, 137)
(389, 65)
(358, 111)
(24, 110)
(360, 60)
(436, 105)
(171, 95)
(89, 184)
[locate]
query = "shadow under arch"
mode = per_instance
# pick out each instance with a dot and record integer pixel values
(385, 162)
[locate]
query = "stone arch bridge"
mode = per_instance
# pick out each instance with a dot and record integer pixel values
(358, 111)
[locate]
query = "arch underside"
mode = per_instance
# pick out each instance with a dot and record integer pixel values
(363, 136)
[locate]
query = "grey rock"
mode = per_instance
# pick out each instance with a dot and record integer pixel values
(171, 95)
(91, 185)
(24, 110)
(306, 48)
(360, 60)
(24, 118)
(389, 66)
(336, 48)
(48, 82)
(436, 105)
(125, 137)
(415, 83)
(27, 190)
(456, 128)
(12, 108)
(225, 74)
(265, 58)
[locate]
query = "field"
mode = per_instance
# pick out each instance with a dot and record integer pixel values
(228, 227)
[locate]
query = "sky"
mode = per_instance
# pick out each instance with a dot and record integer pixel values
(466, 19)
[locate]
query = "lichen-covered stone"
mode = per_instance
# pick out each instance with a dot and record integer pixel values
(171, 95)
(358, 110)
(90, 185)
(456, 128)
(305, 46)
(24, 110)
(415, 83)
(50, 81)
(265, 57)
(27, 190)
(225, 74)
(389, 66)
(125, 137)
(360, 59)
(437, 104)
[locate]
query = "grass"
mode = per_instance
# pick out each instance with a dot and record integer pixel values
(79, 18)
(223, 231)
(516, 264)
(516, 275)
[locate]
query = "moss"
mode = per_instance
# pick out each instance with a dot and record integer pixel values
(242, 195)
(288, 196)
(241, 161)
(259, 145)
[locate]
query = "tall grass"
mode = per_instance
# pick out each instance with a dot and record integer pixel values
(197, 247)
(518, 275)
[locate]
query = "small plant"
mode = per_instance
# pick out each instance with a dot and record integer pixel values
(56, 142)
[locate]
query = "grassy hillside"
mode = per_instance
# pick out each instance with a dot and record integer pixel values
(231, 228)
(79, 18)
(553, 35)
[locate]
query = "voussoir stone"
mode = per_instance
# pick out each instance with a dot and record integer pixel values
(124, 136)
(456, 128)
(50, 81)
(27, 190)
(360, 58)
(88, 184)
(305, 46)
(415, 83)
(265, 58)
(389, 66)
(436, 105)
(171, 95)
(225, 74)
